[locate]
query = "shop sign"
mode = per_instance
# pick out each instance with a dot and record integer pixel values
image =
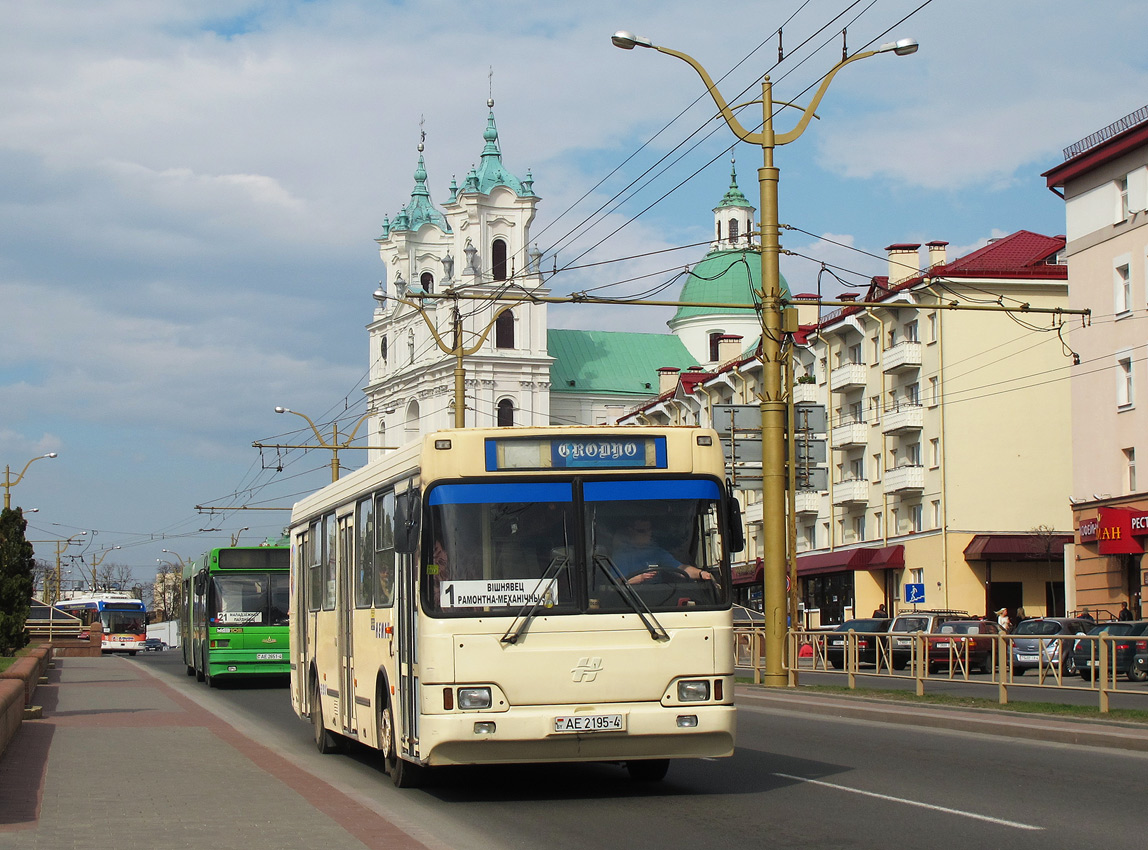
(1116, 531)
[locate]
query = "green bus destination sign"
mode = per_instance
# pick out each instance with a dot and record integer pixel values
(526, 453)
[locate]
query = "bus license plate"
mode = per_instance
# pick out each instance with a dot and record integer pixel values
(590, 723)
(269, 656)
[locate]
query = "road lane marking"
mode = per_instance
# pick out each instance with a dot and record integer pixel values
(1014, 824)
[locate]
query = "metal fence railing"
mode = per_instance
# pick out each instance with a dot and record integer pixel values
(1104, 664)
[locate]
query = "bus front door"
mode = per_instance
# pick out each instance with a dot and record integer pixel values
(345, 606)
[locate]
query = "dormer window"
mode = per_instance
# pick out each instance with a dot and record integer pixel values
(498, 259)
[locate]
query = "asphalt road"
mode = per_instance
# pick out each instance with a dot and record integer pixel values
(796, 781)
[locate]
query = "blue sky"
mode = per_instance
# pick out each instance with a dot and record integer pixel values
(189, 194)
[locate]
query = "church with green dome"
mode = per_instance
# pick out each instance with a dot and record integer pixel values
(517, 370)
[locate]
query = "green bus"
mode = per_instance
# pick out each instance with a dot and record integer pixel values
(234, 618)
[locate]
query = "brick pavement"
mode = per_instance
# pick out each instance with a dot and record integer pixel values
(89, 775)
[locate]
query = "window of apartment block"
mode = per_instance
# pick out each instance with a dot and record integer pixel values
(857, 469)
(824, 368)
(917, 515)
(877, 519)
(859, 528)
(935, 452)
(876, 343)
(936, 513)
(918, 575)
(841, 531)
(911, 331)
(809, 536)
(857, 411)
(1125, 394)
(1130, 469)
(932, 320)
(934, 391)
(855, 354)
(876, 467)
(1122, 198)
(825, 533)
(913, 394)
(1122, 289)
(913, 454)
(892, 337)
(895, 521)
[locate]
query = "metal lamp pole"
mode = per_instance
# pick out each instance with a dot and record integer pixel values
(9, 483)
(773, 393)
(334, 445)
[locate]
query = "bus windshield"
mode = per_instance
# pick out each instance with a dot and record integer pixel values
(123, 622)
(248, 599)
(499, 547)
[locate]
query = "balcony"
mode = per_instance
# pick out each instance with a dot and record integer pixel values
(850, 435)
(851, 492)
(901, 357)
(805, 393)
(905, 479)
(849, 376)
(806, 502)
(903, 419)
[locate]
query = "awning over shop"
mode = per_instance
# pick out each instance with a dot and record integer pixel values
(1016, 547)
(846, 560)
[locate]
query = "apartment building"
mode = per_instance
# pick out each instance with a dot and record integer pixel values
(1104, 183)
(948, 437)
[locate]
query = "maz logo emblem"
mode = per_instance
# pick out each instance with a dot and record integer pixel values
(587, 669)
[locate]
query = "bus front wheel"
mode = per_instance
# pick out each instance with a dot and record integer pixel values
(325, 742)
(405, 774)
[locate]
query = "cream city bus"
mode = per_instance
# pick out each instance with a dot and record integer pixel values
(520, 595)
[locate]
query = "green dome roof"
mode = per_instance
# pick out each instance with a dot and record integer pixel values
(726, 277)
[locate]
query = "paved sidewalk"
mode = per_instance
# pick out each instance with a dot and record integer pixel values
(1011, 724)
(120, 759)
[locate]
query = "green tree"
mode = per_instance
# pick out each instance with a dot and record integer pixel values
(16, 563)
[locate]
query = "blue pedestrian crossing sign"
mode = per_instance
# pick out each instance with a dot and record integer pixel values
(915, 594)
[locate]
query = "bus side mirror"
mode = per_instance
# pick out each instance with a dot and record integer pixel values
(735, 532)
(407, 522)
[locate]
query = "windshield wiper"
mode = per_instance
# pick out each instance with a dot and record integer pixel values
(630, 595)
(560, 559)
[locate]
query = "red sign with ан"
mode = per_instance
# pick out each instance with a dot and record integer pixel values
(1116, 531)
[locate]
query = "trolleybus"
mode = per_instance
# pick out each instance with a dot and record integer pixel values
(520, 595)
(122, 616)
(234, 617)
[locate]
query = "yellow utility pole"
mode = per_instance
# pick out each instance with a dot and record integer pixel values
(773, 393)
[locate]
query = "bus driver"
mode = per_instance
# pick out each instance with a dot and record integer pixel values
(638, 557)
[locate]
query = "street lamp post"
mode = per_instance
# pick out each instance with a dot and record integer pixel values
(773, 394)
(334, 445)
(9, 483)
(96, 561)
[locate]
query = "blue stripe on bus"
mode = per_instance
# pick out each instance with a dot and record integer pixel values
(477, 494)
(637, 491)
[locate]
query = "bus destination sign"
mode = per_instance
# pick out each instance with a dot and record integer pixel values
(636, 452)
(498, 593)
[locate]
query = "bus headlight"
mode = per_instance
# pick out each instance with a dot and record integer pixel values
(473, 698)
(694, 690)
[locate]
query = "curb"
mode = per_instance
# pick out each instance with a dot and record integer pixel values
(981, 721)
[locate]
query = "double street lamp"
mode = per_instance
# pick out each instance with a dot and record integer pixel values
(334, 445)
(774, 397)
(9, 483)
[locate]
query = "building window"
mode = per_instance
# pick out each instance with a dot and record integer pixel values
(383, 349)
(412, 421)
(932, 319)
(857, 469)
(733, 229)
(809, 534)
(877, 523)
(859, 528)
(411, 346)
(936, 513)
(505, 413)
(918, 575)
(504, 330)
(913, 394)
(913, 454)
(934, 391)
(426, 281)
(917, 515)
(876, 467)
(1130, 466)
(715, 339)
(498, 259)
(1122, 193)
(911, 331)
(1122, 289)
(876, 341)
(1125, 394)
(935, 452)
(855, 354)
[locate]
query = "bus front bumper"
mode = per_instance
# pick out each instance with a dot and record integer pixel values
(527, 735)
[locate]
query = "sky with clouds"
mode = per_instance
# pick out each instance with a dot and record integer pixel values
(190, 194)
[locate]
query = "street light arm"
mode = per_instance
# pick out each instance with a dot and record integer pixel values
(723, 107)
(318, 436)
(786, 138)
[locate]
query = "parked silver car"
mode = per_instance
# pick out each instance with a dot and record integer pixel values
(1046, 641)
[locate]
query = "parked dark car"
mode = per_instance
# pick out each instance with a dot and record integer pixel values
(867, 630)
(1046, 641)
(960, 642)
(154, 645)
(906, 623)
(1130, 641)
